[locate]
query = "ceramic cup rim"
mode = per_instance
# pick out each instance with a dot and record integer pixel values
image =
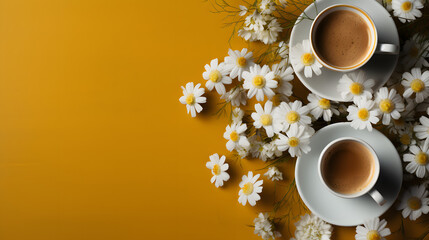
(374, 179)
(371, 24)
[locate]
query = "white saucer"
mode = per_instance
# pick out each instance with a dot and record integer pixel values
(380, 67)
(340, 211)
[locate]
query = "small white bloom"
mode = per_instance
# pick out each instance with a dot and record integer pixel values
(237, 62)
(407, 10)
(218, 167)
(321, 106)
(269, 150)
(242, 152)
(297, 140)
(418, 160)
(274, 174)
(237, 96)
(264, 227)
(192, 97)
(270, 32)
(414, 202)
(283, 76)
(310, 227)
(372, 229)
(259, 81)
(255, 22)
(235, 134)
(266, 7)
(362, 114)
(249, 189)
(237, 115)
(416, 82)
(289, 114)
(406, 138)
(243, 10)
(422, 130)
(302, 58)
(416, 49)
(390, 104)
(216, 76)
(354, 85)
(263, 117)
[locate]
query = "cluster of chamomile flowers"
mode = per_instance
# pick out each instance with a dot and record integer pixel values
(261, 24)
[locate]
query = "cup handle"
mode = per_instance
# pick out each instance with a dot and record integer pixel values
(387, 48)
(377, 197)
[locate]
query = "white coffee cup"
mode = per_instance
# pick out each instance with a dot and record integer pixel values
(375, 47)
(369, 188)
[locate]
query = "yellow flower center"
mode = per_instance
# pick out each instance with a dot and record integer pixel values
(233, 136)
(266, 119)
(324, 103)
(247, 188)
(215, 76)
(363, 114)
(258, 81)
(307, 59)
(421, 158)
(417, 85)
(241, 61)
(414, 52)
(292, 117)
(190, 99)
(373, 235)
(293, 141)
(405, 139)
(414, 203)
(356, 88)
(386, 106)
(216, 169)
(406, 6)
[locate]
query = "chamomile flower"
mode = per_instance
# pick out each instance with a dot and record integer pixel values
(310, 227)
(321, 106)
(264, 227)
(416, 82)
(237, 96)
(269, 150)
(235, 134)
(407, 10)
(373, 229)
(390, 104)
(250, 188)
(354, 85)
(266, 7)
(237, 115)
(416, 49)
(422, 130)
(283, 76)
(238, 61)
(296, 140)
(271, 31)
(274, 174)
(264, 118)
(406, 138)
(414, 202)
(242, 152)
(362, 114)
(216, 76)
(289, 114)
(243, 10)
(418, 160)
(192, 97)
(302, 58)
(218, 167)
(259, 81)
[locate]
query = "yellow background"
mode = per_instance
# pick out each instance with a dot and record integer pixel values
(94, 143)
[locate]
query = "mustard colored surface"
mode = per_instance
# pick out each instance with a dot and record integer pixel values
(94, 144)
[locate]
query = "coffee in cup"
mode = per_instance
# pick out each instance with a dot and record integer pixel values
(344, 38)
(349, 168)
